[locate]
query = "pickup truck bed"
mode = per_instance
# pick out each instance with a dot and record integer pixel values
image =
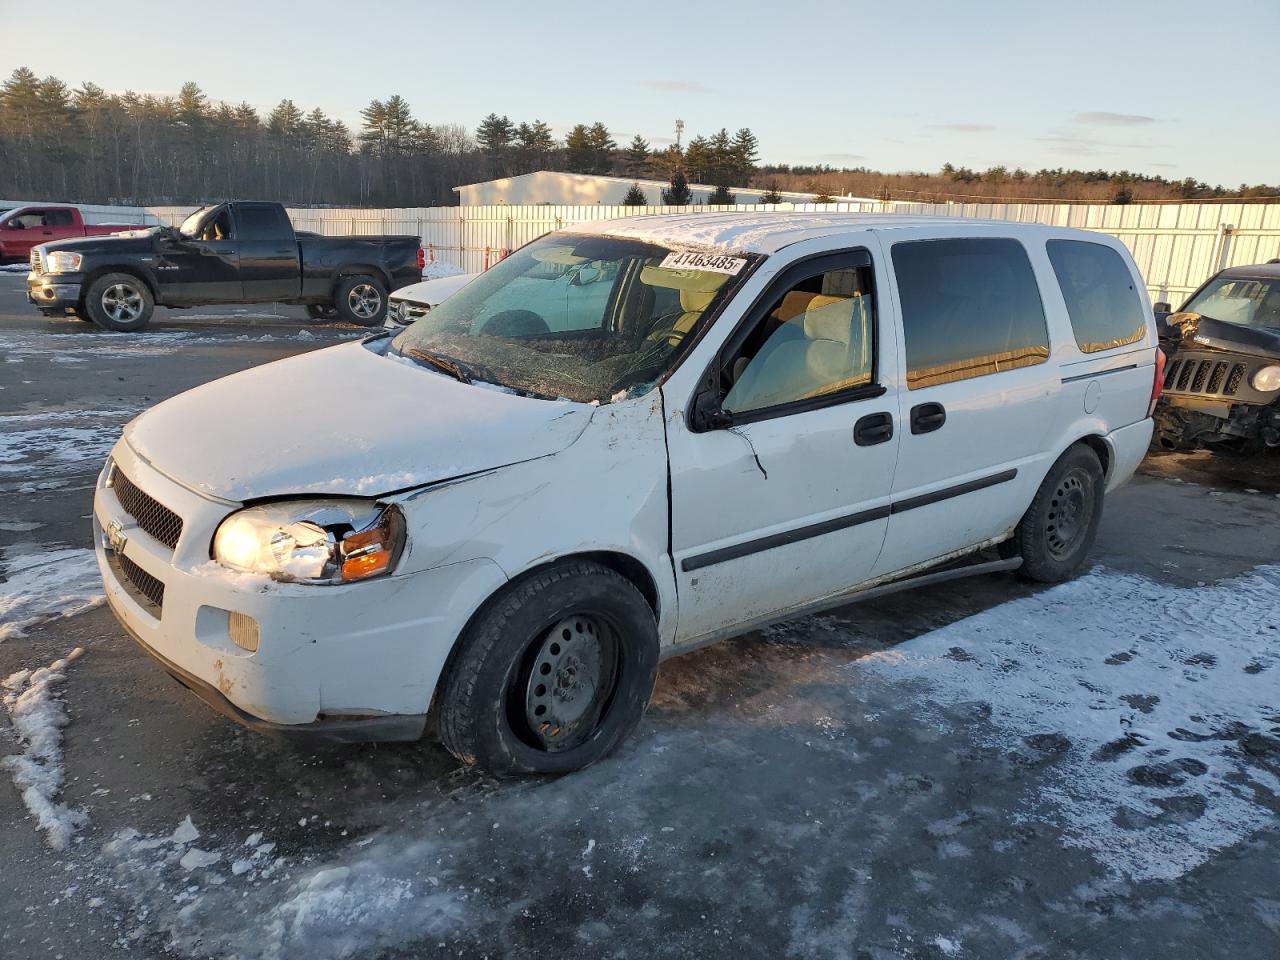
(240, 252)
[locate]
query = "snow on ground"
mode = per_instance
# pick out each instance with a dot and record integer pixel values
(37, 716)
(53, 449)
(1160, 700)
(23, 267)
(51, 582)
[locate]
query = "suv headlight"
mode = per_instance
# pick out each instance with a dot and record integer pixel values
(1266, 380)
(62, 261)
(312, 541)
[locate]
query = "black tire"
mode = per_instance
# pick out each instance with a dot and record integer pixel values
(322, 311)
(361, 300)
(1058, 530)
(81, 314)
(489, 693)
(119, 302)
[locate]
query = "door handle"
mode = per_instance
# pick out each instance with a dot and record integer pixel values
(927, 417)
(872, 429)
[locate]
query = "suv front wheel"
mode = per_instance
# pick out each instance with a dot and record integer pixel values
(1058, 530)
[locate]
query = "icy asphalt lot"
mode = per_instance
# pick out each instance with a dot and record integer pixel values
(980, 770)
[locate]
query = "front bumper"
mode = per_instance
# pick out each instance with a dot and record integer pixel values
(353, 662)
(52, 291)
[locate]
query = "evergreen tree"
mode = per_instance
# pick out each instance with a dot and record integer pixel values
(494, 135)
(771, 194)
(635, 197)
(746, 154)
(720, 159)
(635, 160)
(601, 146)
(697, 158)
(677, 194)
(579, 156)
(721, 196)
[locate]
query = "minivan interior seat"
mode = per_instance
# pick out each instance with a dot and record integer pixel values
(817, 358)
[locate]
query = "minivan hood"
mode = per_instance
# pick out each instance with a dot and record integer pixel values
(344, 421)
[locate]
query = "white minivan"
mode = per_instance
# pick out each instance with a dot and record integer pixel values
(626, 440)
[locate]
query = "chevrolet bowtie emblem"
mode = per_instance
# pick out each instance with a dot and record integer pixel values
(115, 536)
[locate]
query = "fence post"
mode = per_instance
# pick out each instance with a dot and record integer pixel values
(1222, 246)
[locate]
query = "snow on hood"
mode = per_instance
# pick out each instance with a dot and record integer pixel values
(434, 291)
(344, 421)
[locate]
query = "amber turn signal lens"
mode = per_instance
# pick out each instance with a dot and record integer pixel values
(372, 552)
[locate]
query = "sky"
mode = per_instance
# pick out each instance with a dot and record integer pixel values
(1178, 89)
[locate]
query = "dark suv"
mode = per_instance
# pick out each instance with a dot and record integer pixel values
(1222, 383)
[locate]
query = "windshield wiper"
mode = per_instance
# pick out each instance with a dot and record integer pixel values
(449, 366)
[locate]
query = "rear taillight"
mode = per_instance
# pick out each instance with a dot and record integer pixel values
(1157, 387)
(422, 258)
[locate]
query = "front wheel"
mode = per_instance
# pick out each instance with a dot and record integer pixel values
(119, 302)
(361, 300)
(1058, 530)
(552, 674)
(322, 311)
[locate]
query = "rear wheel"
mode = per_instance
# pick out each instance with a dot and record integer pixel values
(361, 300)
(552, 675)
(1058, 530)
(119, 302)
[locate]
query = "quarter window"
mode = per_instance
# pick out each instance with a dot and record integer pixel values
(970, 308)
(815, 340)
(1102, 302)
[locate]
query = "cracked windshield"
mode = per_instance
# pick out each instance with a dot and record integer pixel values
(586, 318)
(1248, 303)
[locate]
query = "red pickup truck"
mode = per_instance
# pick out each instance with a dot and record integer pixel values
(22, 228)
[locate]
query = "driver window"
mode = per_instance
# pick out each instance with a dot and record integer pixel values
(816, 339)
(26, 221)
(217, 227)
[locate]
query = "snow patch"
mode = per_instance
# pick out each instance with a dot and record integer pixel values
(51, 583)
(38, 716)
(1157, 704)
(441, 269)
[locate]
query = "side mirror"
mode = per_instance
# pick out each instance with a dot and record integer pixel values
(707, 414)
(1161, 306)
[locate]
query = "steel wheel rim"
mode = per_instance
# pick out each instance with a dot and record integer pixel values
(122, 302)
(572, 676)
(1069, 514)
(364, 301)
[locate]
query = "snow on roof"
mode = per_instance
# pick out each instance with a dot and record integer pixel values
(749, 232)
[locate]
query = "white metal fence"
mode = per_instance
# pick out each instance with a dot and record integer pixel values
(1176, 245)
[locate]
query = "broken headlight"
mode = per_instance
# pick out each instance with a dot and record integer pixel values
(312, 541)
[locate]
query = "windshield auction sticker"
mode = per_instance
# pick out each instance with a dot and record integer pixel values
(709, 263)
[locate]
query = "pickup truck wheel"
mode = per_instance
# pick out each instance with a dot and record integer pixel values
(361, 300)
(1057, 532)
(322, 311)
(119, 302)
(552, 674)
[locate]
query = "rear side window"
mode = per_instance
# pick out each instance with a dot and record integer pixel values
(58, 218)
(970, 308)
(262, 221)
(1103, 303)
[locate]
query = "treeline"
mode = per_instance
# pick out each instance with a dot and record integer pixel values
(97, 147)
(93, 146)
(1001, 183)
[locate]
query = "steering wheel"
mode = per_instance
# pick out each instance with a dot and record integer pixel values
(515, 323)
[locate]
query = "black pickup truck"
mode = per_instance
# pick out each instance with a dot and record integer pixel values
(239, 252)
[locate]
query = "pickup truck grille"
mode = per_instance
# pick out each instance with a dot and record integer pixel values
(37, 265)
(147, 512)
(1205, 376)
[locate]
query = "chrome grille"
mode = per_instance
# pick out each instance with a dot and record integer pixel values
(147, 512)
(37, 265)
(147, 585)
